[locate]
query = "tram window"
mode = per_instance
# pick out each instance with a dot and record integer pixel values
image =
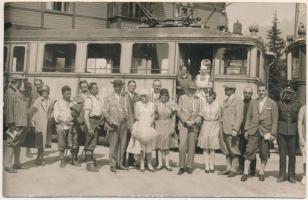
(64, 7)
(295, 63)
(5, 58)
(19, 58)
(59, 58)
(150, 58)
(234, 60)
(103, 58)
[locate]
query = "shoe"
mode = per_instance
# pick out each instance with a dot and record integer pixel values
(142, 170)
(159, 168)
(292, 180)
(38, 161)
(244, 177)
(212, 170)
(43, 162)
(207, 171)
(76, 163)
(91, 168)
(231, 174)
(95, 162)
(281, 179)
(121, 167)
(189, 170)
(240, 172)
(29, 154)
(181, 171)
(113, 169)
(62, 163)
(151, 169)
(168, 168)
(261, 177)
(47, 146)
(10, 170)
(224, 173)
(19, 166)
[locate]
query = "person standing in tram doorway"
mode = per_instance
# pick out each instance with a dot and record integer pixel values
(288, 108)
(189, 123)
(248, 92)
(232, 114)
(63, 118)
(93, 109)
(204, 80)
(260, 128)
(182, 80)
(301, 126)
(115, 114)
(15, 117)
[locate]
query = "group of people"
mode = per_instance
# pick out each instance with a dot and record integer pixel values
(139, 124)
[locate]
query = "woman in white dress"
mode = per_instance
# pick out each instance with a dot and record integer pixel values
(143, 137)
(209, 134)
(204, 80)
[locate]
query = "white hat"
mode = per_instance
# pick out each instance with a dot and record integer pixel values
(144, 92)
(205, 63)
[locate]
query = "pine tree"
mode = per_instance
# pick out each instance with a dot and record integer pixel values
(276, 45)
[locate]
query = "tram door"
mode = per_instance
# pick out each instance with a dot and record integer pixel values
(192, 54)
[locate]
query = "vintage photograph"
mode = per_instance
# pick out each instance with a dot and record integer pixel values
(154, 99)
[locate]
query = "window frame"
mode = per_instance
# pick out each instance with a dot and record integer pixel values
(73, 69)
(150, 42)
(11, 58)
(101, 43)
(6, 64)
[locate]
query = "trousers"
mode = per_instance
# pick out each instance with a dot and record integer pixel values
(117, 144)
(187, 148)
(286, 145)
(242, 146)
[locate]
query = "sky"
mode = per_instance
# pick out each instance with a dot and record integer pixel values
(262, 14)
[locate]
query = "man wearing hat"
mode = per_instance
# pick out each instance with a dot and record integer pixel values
(232, 115)
(288, 108)
(260, 128)
(93, 110)
(16, 119)
(189, 124)
(115, 114)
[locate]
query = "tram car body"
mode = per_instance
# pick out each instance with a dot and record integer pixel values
(296, 67)
(64, 57)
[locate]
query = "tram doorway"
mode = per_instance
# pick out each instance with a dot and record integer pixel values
(192, 54)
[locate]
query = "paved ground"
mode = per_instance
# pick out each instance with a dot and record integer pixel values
(50, 180)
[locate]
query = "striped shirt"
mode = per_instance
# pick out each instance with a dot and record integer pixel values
(15, 107)
(95, 105)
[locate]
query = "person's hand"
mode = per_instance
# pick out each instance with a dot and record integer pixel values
(302, 143)
(267, 136)
(246, 135)
(172, 133)
(190, 123)
(272, 137)
(234, 133)
(115, 124)
(91, 131)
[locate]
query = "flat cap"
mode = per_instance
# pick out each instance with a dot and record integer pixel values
(289, 89)
(117, 82)
(229, 85)
(17, 77)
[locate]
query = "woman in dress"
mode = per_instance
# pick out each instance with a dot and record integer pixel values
(143, 137)
(204, 80)
(301, 127)
(209, 134)
(41, 111)
(165, 127)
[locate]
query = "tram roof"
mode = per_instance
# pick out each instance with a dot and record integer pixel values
(174, 33)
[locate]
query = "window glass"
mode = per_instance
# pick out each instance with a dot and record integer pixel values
(5, 54)
(59, 58)
(59, 6)
(295, 63)
(258, 63)
(234, 60)
(133, 9)
(150, 58)
(103, 58)
(19, 58)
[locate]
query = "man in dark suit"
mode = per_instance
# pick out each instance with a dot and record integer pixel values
(260, 128)
(288, 109)
(232, 114)
(131, 98)
(248, 92)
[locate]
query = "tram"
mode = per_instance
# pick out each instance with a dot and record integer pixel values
(64, 57)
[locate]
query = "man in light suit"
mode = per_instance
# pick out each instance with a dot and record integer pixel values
(189, 124)
(131, 98)
(260, 127)
(232, 115)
